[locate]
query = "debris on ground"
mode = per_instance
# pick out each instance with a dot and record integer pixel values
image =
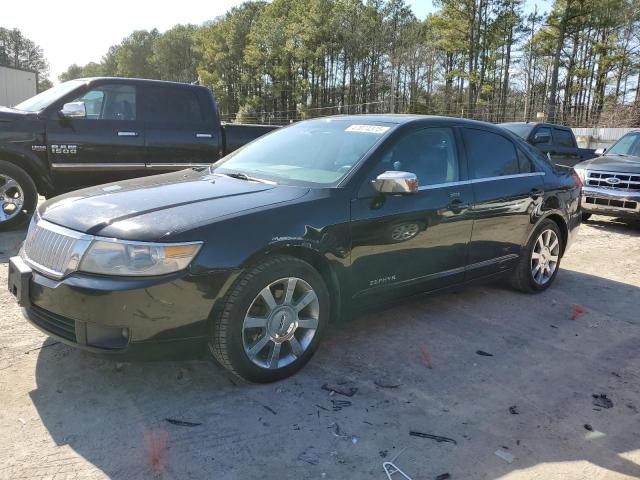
(337, 431)
(346, 391)
(182, 423)
(513, 410)
(443, 476)
(588, 427)
(426, 358)
(340, 404)
(601, 400)
(382, 383)
(269, 409)
(484, 354)
(383, 453)
(504, 455)
(155, 442)
(309, 457)
(437, 438)
(391, 469)
(578, 311)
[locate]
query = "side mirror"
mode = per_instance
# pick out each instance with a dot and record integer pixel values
(74, 110)
(600, 151)
(396, 182)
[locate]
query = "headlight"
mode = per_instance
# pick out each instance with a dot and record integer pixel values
(115, 257)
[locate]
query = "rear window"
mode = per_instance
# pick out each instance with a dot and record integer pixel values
(173, 105)
(490, 154)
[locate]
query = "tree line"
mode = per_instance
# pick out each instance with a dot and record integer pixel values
(494, 60)
(17, 51)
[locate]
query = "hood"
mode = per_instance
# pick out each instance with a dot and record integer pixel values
(156, 207)
(612, 163)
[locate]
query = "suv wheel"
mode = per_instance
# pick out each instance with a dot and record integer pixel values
(272, 320)
(540, 261)
(18, 196)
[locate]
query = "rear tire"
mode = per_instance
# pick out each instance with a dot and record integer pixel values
(272, 320)
(540, 261)
(18, 196)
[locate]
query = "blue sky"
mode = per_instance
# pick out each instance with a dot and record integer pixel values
(68, 32)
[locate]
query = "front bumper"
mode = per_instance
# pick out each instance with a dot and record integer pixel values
(132, 318)
(610, 202)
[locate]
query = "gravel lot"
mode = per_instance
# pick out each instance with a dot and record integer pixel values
(66, 414)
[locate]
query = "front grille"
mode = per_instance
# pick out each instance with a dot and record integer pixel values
(53, 250)
(56, 324)
(606, 202)
(629, 182)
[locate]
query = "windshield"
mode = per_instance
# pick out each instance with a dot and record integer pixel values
(316, 152)
(522, 131)
(627, 145)
(46, 98)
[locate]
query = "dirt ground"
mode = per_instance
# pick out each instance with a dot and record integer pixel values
(66, 414)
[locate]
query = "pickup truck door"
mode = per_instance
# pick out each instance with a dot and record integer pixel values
(566, 149)
(412, 242)
(182, 129)
(108, 142)
(507, 191)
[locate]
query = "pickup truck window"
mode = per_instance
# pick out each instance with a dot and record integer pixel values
(563, 138)
(490, 154)
(46, 98)
(627, 145)
(429, 153)
(110, 102)
(175, 105)
(313, 153)
(542, 136)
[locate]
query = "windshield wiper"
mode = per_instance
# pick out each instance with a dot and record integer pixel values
(248, 178)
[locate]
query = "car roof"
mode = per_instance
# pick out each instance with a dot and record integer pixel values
(533, 124)
(136, 80)
(402, 119)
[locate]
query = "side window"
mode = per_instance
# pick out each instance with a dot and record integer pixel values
(563, 138)
(430, 153)
(490, 154)
(110, 102)
(542, 136)
(524, 163)
(174, 105)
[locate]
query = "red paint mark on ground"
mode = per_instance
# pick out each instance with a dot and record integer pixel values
(155, 442)
(426, 358)
(577, 312)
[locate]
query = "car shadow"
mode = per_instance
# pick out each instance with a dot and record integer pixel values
(124, 419)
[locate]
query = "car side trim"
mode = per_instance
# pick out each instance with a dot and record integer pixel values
(479, 180)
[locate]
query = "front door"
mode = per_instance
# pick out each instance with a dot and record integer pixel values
(407, 243)
(507, 192)
(106, 145)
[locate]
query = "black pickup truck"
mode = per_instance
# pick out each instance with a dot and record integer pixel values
(97, 130)
(555, 141)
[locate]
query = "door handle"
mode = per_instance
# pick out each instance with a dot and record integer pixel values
(204, 135)
(127, 134)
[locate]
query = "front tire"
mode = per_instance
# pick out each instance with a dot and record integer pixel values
(539, 264)
(272, 321)
(18, 196)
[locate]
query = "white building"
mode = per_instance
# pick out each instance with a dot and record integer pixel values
(16, 85)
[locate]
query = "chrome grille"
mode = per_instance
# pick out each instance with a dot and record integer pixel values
(629, 182)
(54, 250)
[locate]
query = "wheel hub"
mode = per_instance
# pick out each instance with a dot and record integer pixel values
(282, 324)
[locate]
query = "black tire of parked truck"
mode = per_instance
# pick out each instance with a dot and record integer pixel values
(18, 196)
(540, 260)
(272, 320)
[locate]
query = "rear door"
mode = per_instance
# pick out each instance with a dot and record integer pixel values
(106, 145)
(181, 130)
(507, 191)
(408, 243)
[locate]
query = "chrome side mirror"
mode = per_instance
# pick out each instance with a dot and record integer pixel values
(396, 182)
(74, 110)
(600, 151)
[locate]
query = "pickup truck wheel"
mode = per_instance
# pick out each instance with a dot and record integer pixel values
(540, 261)
(18, 196)
(272, 320)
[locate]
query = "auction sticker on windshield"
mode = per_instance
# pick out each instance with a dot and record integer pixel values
(367, 129)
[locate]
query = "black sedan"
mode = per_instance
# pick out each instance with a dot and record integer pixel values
(254, 255)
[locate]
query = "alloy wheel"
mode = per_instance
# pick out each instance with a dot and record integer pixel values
(545, 256)
(11, 198)
(280, 323)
